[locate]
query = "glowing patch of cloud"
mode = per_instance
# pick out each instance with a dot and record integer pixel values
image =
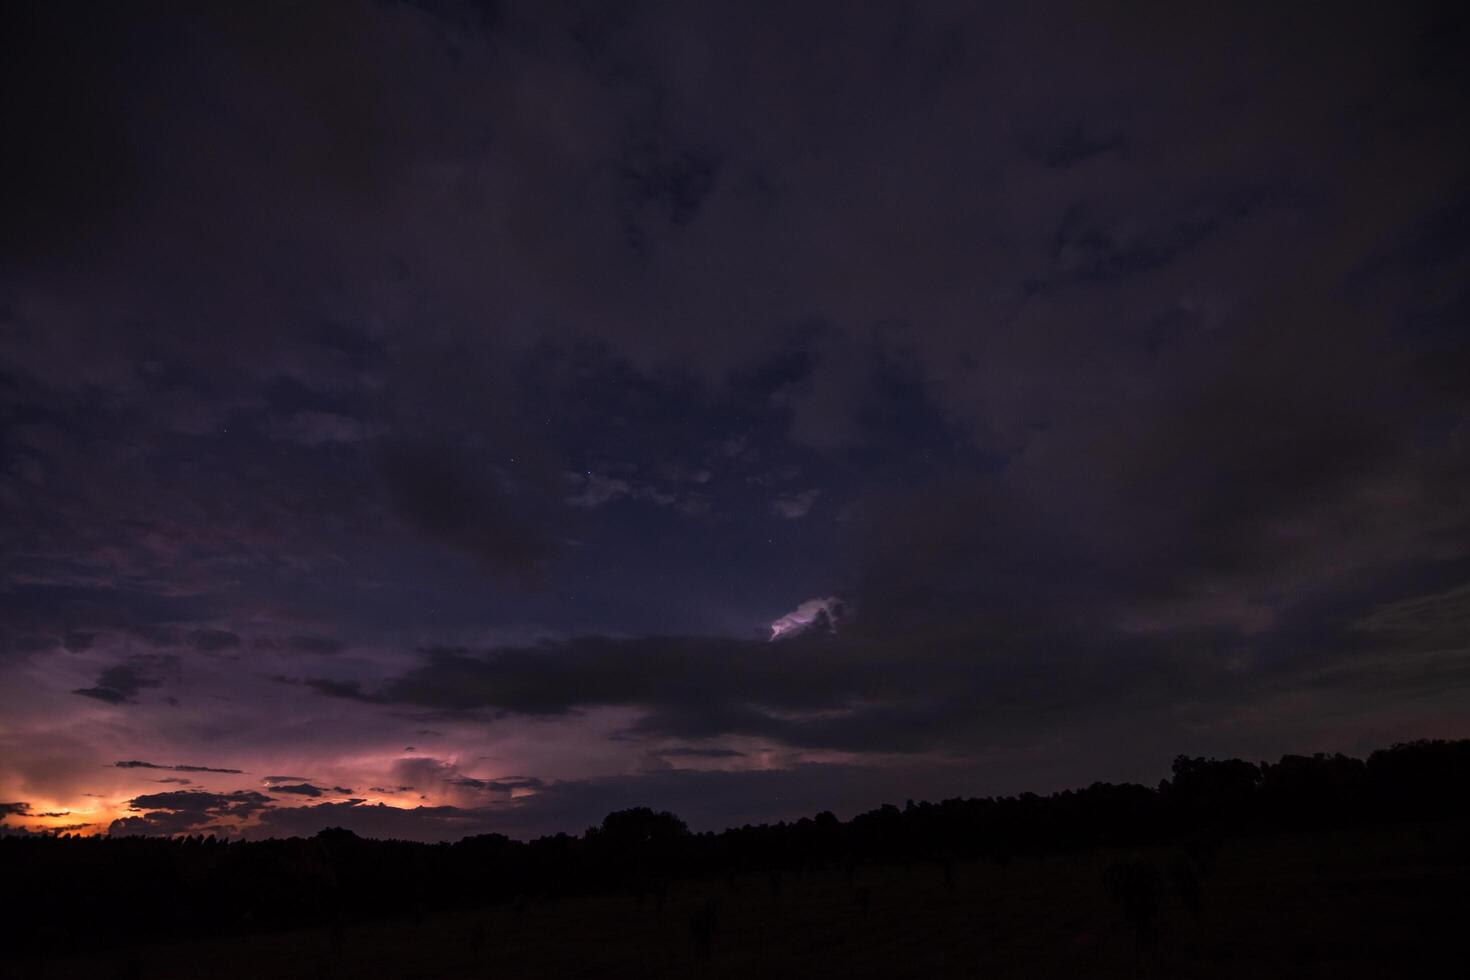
(807, 615)
(794, 506)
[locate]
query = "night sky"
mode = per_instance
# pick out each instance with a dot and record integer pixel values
(438, 418)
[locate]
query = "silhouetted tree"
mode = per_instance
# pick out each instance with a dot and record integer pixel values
(1211, 791)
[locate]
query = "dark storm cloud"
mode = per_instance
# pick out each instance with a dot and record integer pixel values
(428, 773)
(78, 641)
(14, 810)
(499, 785)
(1089, 235)
(82, 174)
(436, 491)
(950, 688)
(351, 690)
(321, 428)
(103, 694)
(213, 640)
(297, 789)
(28, 643)
(819, 691)
(556, 678)
(42, 615)
(135, 764)
(162, 637)
(1085, 249)
(1439, 618)
(199, 801)
(161, 823)
(315, 644)
(187, 810)
(120, 683)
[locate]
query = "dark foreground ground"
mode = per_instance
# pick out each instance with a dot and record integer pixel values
(1385, 902)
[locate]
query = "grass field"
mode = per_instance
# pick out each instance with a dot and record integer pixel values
(1373, 903)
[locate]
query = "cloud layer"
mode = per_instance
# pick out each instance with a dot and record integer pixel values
(490, 382)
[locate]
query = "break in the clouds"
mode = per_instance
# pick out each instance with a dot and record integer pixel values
(1107, 364)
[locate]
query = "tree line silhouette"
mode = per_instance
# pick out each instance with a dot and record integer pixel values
(64, 893)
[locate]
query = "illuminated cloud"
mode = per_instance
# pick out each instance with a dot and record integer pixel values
(808, 614)
(596, 489)
(795, 506)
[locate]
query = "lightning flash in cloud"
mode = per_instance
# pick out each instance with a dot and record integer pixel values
(808, 614)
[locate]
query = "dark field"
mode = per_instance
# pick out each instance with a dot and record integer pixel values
(1378, 902)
